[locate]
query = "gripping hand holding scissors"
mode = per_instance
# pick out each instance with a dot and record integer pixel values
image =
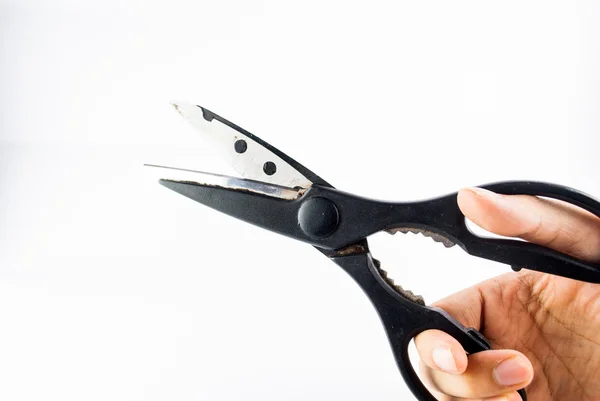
(279, 194)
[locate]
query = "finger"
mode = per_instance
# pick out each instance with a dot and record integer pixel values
(425, 375)
(514, 396)
(440, 351)
(489, 374)
(557, 225)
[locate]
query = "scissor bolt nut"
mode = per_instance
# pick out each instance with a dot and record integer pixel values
(318, 217)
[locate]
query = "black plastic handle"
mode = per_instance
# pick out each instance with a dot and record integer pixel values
(443, 217)
(403, 319)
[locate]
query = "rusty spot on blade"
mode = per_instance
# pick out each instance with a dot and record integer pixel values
(352, 250)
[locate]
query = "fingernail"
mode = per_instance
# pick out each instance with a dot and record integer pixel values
(511, 371)
(482, 192)
(442, 356)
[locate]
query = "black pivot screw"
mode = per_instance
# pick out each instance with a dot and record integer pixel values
(318, 217)
(269, 168)
(240, 146)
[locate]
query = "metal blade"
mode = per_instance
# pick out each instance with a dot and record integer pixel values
(249, 155)
(178, 175)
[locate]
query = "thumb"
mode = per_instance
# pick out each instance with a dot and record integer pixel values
(441, 351)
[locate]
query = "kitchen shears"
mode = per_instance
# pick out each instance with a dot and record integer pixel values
(279, 194)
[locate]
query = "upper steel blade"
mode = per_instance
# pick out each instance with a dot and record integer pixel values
(249, 155)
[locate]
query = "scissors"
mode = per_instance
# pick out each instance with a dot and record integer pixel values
(279, 194)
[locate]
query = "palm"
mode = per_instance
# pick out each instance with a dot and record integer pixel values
(554, 322)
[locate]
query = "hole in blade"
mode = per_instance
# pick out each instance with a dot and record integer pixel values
(269, 168)
(240, 146)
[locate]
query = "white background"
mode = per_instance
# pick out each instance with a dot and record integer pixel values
(112, 287)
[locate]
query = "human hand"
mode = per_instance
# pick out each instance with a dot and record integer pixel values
(535, 322)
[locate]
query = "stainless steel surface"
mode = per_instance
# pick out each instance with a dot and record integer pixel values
(250, 163)
(223, 181)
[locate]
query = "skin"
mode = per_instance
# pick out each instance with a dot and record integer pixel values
(547, 328)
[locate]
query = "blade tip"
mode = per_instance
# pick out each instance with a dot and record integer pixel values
(182, 104)
(178, 105)
(167, 183)
(189, 111)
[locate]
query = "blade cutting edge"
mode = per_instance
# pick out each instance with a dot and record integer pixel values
(224, 181)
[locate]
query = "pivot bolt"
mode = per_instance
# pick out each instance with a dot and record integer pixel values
(318, 217)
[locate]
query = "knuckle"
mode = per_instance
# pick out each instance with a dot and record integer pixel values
(533, 232)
